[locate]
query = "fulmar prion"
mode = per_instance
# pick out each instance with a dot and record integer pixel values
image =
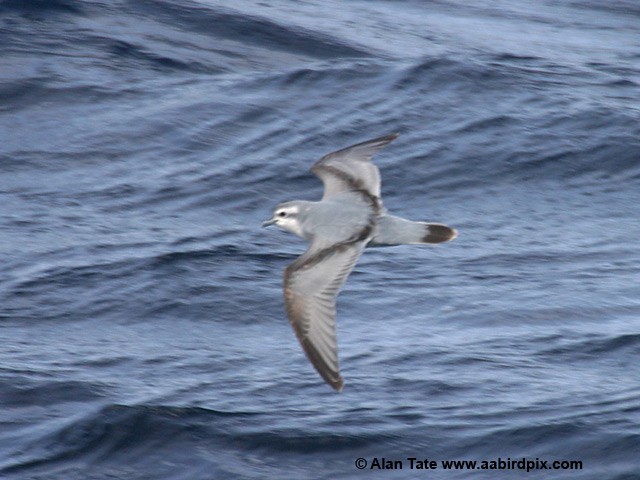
(348, 218)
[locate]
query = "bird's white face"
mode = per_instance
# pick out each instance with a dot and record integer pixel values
(286, 216)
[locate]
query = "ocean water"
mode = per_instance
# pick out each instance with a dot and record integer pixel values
(142, 328)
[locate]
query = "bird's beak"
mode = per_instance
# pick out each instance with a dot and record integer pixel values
(271, 221)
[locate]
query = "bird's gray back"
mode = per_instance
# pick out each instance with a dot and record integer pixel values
(337, 220)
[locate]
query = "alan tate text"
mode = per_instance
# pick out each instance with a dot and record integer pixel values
(412, 462)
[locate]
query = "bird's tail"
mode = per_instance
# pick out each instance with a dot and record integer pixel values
(400, 231)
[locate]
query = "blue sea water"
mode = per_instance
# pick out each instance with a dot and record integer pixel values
(142, 329)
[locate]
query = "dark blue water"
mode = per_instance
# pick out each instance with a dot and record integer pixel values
(142, 331)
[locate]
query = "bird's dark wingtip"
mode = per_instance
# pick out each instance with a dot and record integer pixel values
(338, 386)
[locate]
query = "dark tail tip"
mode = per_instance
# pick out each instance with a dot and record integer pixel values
(437, 233)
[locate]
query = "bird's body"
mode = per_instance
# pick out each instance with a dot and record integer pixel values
(349, 218)
(333, 220)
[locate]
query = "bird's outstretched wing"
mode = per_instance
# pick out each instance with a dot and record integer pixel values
(350, 169)
(311, 285)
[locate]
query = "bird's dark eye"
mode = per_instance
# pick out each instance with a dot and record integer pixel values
(282, 214)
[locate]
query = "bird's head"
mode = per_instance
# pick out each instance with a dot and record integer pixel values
(286, 216)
